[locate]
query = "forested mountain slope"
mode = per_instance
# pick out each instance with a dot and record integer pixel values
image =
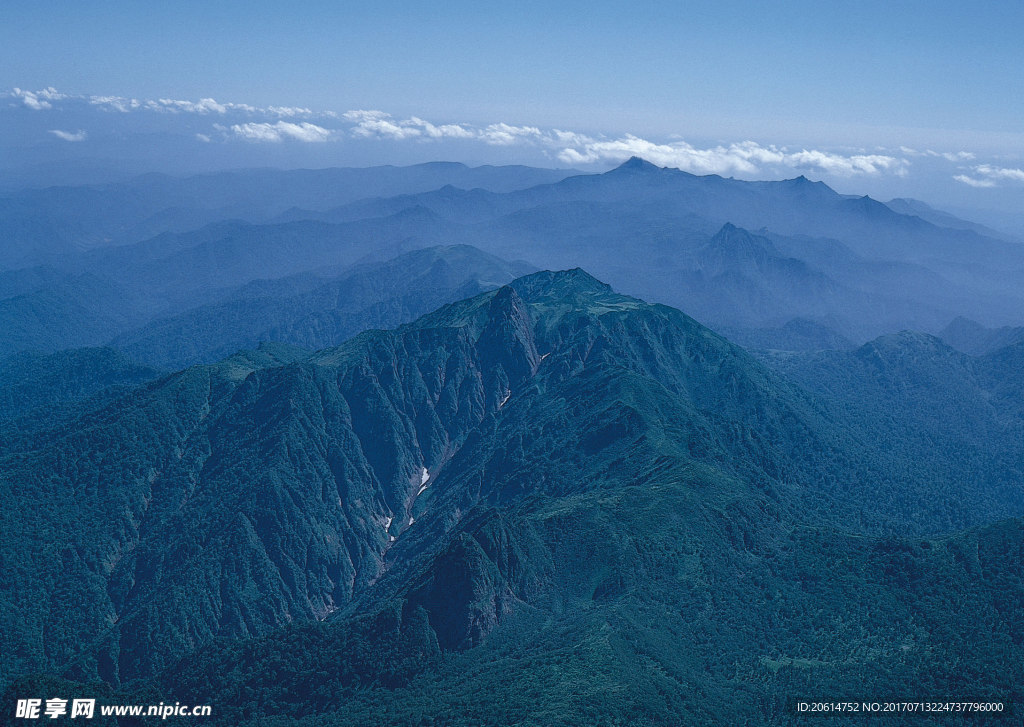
(548, 474)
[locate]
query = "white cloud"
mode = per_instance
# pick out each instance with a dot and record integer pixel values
(949, 156)
(571, 138)
(502, 134)
(987, 176)
(677, 154)
(960, 156)
(290, 111)
(358, 116)
(987, 170)
(570, 147)
(115, 103)
(847, 165)
(574, 148)
(202, 106)
(970, 181)
(203, 138)
(444, 131)
(280, 131)
(745, 158)
(79, 135)
(38, 100)
(43, 100)
(379, 124)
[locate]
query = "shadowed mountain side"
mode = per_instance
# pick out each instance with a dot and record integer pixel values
(642, 607)
(613, 562)
(226, 503)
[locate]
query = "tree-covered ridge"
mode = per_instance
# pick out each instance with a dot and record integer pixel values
(951, 416)
(33, 380)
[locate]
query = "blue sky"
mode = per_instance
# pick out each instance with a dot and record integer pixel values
(867, 79)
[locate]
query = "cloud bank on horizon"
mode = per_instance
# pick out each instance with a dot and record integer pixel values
(240, 122)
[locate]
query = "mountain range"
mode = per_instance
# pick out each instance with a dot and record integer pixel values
(749, 258)
(444, 445)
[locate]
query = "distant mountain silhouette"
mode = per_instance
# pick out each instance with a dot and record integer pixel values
(972, 337)
(47, 226)
(849, 261)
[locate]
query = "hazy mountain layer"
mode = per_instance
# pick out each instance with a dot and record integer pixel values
(739, 256)
(318, 310)
(647, 230)
(542, 503)
(168, 313)
(50, 225)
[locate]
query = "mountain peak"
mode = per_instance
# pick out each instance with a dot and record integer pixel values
(561, 289)
(903, 343)
(636, 164)
(507, 341)
(961, 325)
(732, 246)
(910, 204)
(560, 283)
(730, 233)
(869, 206)
(806, 186)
